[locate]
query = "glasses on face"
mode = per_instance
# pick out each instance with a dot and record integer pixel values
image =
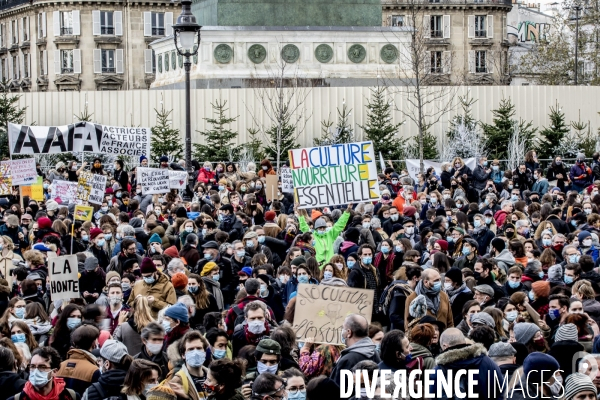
(41, 368)
(294, 390)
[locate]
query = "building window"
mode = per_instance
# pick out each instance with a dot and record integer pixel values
(480, 62)
(437, 30)
(480, 26)
(153, 62)
(40, 25)
(25, 27)
(41, 58)
(66, 23)
(15, 32)
(15, 63)
(107, 26)
(398, 20)
(108, 61)
(25, 65)
(3, 68)
(158, 24)
(66, 61)
(436, 62)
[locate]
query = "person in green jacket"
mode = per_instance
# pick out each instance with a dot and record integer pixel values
(322, 237)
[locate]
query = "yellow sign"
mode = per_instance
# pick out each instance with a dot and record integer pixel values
(34, 191)
(83, 213)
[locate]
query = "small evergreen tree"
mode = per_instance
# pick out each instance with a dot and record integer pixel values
(465, 120)
(286, 138)
(165, 140)
(430, 148)
(9, 112)
(553, 134)
(219, 138)
(378, 127)
(343, 131)
(254, 145)
(499, 133)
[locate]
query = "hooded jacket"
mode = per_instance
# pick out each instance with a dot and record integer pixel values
(468, 357)
(324, 242)
(505, 260)
(110, 384)
(162, 290)
(362, 350)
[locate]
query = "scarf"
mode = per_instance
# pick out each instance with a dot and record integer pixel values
(431, 297)
(389, 268)
(455, 292)
(58, 385)
(254, 339)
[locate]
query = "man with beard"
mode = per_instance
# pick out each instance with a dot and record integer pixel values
(128, 252)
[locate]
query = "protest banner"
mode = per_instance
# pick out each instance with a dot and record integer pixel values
(80, 136)
(287, 181)
(64, 281)
(271, 188)
(321, 310)
(153, 180)
(413, 167)
(334, 175)
(23, 171)
(83, 213)
(91, 187)
(178, 179)
(64, 192)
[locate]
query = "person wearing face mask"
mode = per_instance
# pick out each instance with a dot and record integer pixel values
(469, 254)
(152, 350)
(237, 312)
(43, 384)
(97, 247)
(457, 292)
(114, 364)
(364, 275)
(580, 174)
(266, 169)
(384, 261)
(92, 280)
(155, 286)
(254, 327)
(540, 378)
(438, 303)
(117, 312)
(175, 323)
(481, 233)
(10, 380)
(223, 380)
(127, 251)
(193, 374)
(80, 368)
(481, 174)
(396, 353)
(271, 296)
(12, 229)
(586, 246)
(359, 347)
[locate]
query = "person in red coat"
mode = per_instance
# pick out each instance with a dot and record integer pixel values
(207, 175)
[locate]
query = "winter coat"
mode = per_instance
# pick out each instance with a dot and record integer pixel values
(423, 352)
(324, 242)
(592, 308)
(444, 313)
(362, 350)
(162, 360)
(162, 290)
(128, 334)
(79, 370)
(480, 177)
(458, 303)
(464, 262)
(522, 181)
(116, 263)
(560, 225)
(468, 357)
(205, 176)
(233, 227)
(13, 233)
(505, 260)
(232, 314)
(393, 300)
(11, 383)
(92, 282)
(109, 384)
(214, 288)
(484, 237)
(190, 254)
(541, 186)
(576, 174)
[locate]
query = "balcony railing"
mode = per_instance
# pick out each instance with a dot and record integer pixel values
(449, 2)
(66, 70)
(158, 31)
(107, 30)
(108, 70)
(66, 31)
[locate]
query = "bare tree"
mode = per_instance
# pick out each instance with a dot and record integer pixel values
(282, 95)
(517, 146)
(424, 73)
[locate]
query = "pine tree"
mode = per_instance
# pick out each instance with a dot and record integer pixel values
(552, 135)
(165, 140)
(498, 133)
(342, 133)
(430, 148)
(466, 119)
(9, 112)
(287, 138)
(219, 138)
(378, 127)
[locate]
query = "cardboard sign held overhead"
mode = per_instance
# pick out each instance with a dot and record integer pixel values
(23, 171)
(64, 280)
(321, 310)
(271, 187)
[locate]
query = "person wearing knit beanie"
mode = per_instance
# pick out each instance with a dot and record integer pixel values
(147, 266)
(178, 312)
(209, 269)
(180, 281)
(455, 275)
(580, 385)
(94, 232)
(114, 276)
(525, 332)
(566, 332)
(539, 367)
(270, 216)
(155, 239)
(541, 289)
(44, 223)
(172, 252)
(443, 245)
(161, 392)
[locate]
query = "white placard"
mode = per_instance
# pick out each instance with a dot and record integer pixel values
(153, 180)
(23, 171)
(178, 179)
(287, 181)
(64, 279)
(64, 192)
(91, 187)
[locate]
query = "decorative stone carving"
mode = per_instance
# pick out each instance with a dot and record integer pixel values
(324, 53)
(257, 53)
(357, 53)
(389, 53)
(290, 53)
(223, 53)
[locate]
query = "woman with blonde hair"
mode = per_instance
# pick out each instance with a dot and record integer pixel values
(14, 312)
(7, 255)
(584, 291)
(130, 325)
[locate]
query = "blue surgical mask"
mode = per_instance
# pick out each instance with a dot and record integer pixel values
(350, 263)
(437, 286)
(250, 244)
(118, 195)
(531, 295)
(327, 275)
(568, 279)
(101, 242)
(204, 231)
(20, 312)
(476, 223)
(394, 217)
(449, 239)
(85, 238)
(367, 260)
(207, 256)
(488, 220)
(38, 378)
(299, 395)
(546, 242)
(195, 358)
(303, 279)
(574, 223)
(216, 277)
(18, 338)
(149, 280)
(193, 289)
(218, 354)
(541, 274)
(313, 243)
(512, 315)
(466, 251)
(514, 285)
(166, 326)
(553, 314)
(398, 249)
(108, 236)
(221, 187)
(385, 249)
(514, 197)
(261, 239)
(240, 253)
(574, 258)
(262, 368)
(189, 229)
(73, 323)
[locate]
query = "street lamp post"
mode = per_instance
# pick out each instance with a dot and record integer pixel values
(577, 8)
(186, 33)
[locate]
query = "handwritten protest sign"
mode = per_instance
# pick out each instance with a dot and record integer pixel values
(91, 187)
(81, 136)
(413, 167)
(83, 213)
(271, 187)
(64, 281)
(64, 192)
(334, 175)
(321, 310)
(23, 171)
(178, 179)
(153, 180)
(287, 180)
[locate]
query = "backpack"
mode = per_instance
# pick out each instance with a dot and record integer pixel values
(391, 291)
(71, 393)
(103, 395)
(240, 318)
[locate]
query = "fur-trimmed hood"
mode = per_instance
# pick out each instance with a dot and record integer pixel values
(461, 353)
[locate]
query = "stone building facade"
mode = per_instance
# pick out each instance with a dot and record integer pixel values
(471, 33)
(63, 46)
